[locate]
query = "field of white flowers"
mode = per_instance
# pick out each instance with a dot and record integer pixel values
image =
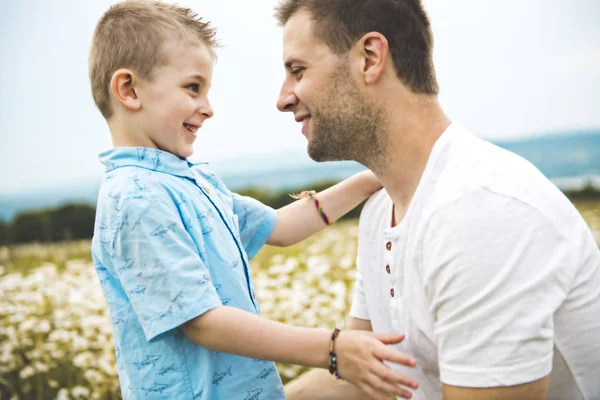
(55, 332)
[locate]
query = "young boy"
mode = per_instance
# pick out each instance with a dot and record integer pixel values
(172, 243)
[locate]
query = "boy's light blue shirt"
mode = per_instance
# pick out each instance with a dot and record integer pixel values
(170, 243)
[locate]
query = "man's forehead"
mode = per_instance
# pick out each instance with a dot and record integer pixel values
(299, 40)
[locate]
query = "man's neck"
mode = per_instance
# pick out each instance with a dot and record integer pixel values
(412, 131)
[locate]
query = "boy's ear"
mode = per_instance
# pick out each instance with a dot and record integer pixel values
(123, 89)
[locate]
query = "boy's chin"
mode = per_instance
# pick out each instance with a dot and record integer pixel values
(185, 153)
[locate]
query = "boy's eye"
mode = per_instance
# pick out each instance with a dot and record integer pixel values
(194, 87)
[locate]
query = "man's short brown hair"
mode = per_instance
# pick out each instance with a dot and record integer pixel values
(132, 34)
(404, 23)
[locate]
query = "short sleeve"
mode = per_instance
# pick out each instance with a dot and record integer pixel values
(359, 307)
(256, 222)
(159, 266)
(493, 275)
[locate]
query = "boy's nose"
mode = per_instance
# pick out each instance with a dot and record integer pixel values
(207, 111)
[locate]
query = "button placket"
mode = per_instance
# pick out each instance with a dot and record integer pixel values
(388, 259)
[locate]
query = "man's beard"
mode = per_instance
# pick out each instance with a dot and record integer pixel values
(346, 126)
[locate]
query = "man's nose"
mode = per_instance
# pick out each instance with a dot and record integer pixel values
(287, 100)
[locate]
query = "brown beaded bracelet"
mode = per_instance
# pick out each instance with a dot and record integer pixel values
(333, 368)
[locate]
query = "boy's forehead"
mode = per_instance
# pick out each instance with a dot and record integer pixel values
(190, 57)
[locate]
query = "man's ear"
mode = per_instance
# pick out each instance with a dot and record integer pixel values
(123, 89)
(374, 50)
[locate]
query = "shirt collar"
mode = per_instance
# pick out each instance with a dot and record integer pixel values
(143, 157)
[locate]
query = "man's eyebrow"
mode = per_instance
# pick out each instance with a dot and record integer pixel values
(288, 64)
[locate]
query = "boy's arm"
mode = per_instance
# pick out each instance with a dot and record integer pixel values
(299, 220)
(320, 385)
(360, 354)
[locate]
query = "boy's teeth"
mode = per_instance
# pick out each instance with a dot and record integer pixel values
(190, 127)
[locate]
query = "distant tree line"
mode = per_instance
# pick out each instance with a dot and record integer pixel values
(76, 221)
(68, 222)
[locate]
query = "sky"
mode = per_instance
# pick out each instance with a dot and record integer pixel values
(506, 69)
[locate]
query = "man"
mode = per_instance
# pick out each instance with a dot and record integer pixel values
(489, 270)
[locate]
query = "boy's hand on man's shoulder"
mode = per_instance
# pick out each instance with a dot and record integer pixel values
(369, 182)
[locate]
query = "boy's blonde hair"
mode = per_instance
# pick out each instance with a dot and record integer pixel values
(131, 34)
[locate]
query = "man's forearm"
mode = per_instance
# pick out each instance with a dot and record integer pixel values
(230, 330)
(321, 385)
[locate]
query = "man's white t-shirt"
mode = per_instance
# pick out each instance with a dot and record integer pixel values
(492, 274)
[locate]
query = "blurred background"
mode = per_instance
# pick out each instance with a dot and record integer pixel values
(524, 75)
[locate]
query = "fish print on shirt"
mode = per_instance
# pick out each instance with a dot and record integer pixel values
(253, 394)
(225, 301)
(161, 230)
(181, 200)
(139, 185)
(136, 223)
(149, 360)
(243, 222)
(127, 267)
(156, 388)
(116, 198)
(265, 372)
(164, 370)
(212, 178)
(217, 378)
(100, 268)
(174, 303)
(205, 221)
(156, 163)
(165, 314)
(142, 153)
(139, 290)
(207, 230)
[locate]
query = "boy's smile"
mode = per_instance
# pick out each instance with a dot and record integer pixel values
(174, 100)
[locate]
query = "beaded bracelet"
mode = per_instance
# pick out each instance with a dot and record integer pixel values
(333, 368)
(313, 195)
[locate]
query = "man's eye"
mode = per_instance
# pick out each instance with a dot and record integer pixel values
(297, 71)
(194, 87)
